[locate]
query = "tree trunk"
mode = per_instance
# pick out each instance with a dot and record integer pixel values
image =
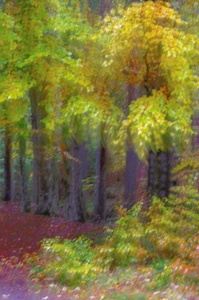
(42, 167)
(78, 213)
(65, 186)
(84, 172)
(8, 166)
(164, 174)
(53, 187)
(23, 176)
(131, 168)
(158, 175)
(105, 6)
(151, 187)
(132, 159)
(73, 206)
(100, 185)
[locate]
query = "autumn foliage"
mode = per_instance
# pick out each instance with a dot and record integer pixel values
(88, 89)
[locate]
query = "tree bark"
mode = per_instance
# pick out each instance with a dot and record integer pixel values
(158, 175)
(42, 166)
(100, 185)
(164, 174)
(151, 187)
(131, 168)
(132, 160)
(53, 186)
(8, 166)
(23, 176)
(105, 6)
(66, 184)
(84, 173)
(78, 213)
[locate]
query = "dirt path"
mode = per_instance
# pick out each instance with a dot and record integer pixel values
(20, 234)
(16, 285)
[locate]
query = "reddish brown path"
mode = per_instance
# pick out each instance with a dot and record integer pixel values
(20, 234)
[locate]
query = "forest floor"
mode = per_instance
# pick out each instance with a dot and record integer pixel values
(22, 233)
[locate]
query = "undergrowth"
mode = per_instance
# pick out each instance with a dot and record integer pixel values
(164, 239)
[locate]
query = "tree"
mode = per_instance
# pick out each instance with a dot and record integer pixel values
(147, 46)
(41, 50)
(11, 89)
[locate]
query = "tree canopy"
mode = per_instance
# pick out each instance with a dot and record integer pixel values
(66, 70)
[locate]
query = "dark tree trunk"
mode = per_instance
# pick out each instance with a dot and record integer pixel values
(42, 166)
(53, 187)
(105, 6)
(84, 172)
(158, 175)
(78, 213)
(23, 176)
(73, 206)
(132, 160)
(66, 184)
(8, 166)
(151, 175)
(100, 185)
(131, 168)
(164, 174)
(158, 172)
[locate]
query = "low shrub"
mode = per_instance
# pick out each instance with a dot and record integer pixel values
(69, 262)
(173, 228)
(123, 245)
(168, 232)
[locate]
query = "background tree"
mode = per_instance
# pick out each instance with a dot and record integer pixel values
(152, 51)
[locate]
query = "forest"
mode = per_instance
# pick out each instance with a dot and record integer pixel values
(99, 124)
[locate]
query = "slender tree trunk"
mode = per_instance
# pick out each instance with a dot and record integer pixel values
(100, 185)
(158, 172)
(23, 176)
(78, 213)
(151, 176)
(132, 160)
(84, 172)
(131, 168)
(8, 166)
(66, 187)
(53, 187)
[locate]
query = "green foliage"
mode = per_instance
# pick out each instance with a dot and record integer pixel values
(169, 231)
(157, 55)
(173, 226)
(166, 237)
(186, 174)
(123, 246)
(71, 262)
(8, 38)
(162, 279)
(121, 296)
(147, 122)
(189, 162)
(81, 80)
